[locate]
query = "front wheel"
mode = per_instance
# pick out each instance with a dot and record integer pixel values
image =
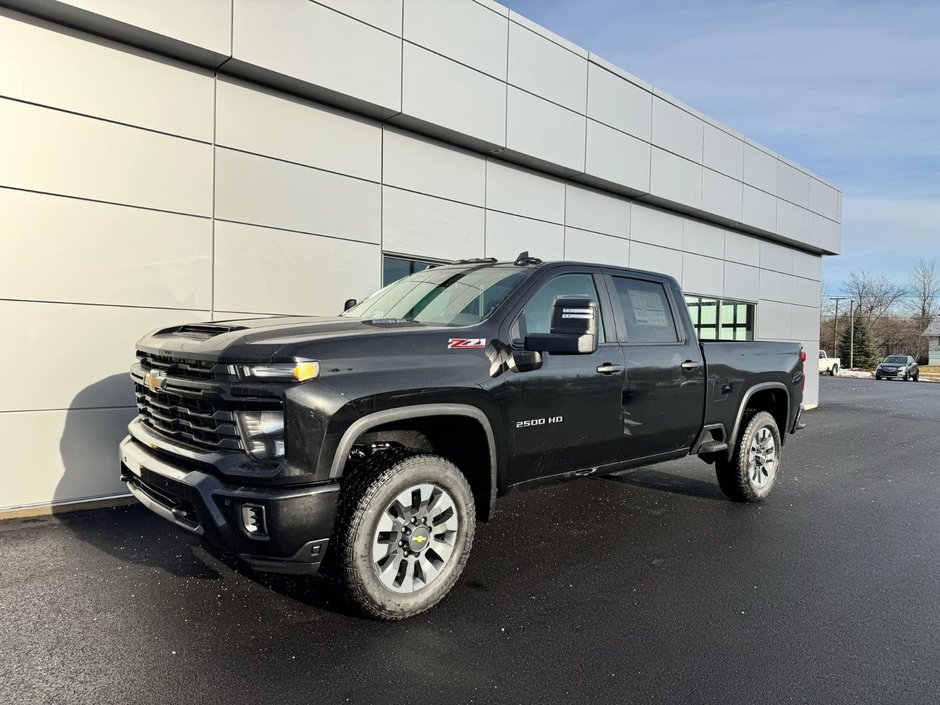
(752, 471)
(404, 530)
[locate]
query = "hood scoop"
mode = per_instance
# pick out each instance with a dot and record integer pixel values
(390, 322)
(202, 332)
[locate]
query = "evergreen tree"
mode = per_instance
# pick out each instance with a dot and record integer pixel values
(866, 355)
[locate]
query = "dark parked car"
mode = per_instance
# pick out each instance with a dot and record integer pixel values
(373, 441)
(900, 366)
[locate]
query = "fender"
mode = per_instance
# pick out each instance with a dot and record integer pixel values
(733, 438)
(401, 413)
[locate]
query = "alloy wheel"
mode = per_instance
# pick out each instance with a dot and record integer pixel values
(762, 459)
(414, 538)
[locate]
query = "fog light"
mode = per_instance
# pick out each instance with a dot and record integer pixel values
(262, 433)
(254, 520)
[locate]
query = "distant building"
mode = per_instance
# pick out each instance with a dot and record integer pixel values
(933, 332)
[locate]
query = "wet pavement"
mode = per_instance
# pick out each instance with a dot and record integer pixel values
(648, 587)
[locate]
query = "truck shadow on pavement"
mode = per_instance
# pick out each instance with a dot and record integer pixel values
(670, 481)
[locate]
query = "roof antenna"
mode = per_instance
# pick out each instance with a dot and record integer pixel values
(523, 259)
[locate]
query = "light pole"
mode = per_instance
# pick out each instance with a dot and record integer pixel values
(835, 324)
(852, 335)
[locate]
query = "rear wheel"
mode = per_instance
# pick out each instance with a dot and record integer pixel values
(752, 471)
(834, 371)
(404, 530)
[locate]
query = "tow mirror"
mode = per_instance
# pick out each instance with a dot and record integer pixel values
(573, 331)
(349, 304)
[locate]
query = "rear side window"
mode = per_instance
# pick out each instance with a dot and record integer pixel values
(646, 311)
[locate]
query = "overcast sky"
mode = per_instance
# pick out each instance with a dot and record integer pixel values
(848, 88)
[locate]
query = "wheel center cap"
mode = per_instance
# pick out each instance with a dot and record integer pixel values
(419, 538)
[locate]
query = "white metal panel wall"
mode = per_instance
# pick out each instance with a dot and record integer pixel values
(189, 195)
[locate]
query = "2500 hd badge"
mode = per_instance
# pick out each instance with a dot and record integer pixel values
(539, 422)
(368, 445)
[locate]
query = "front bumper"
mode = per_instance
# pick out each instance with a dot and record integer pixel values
(298, 521)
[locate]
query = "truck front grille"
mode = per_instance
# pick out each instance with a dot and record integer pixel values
(189, 420)
(179, 367)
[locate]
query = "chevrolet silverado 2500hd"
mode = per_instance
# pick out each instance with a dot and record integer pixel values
(370, 443)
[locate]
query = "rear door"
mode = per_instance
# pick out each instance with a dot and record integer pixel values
(664, 381)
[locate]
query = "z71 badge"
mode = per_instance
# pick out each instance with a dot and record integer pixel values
(464, 343)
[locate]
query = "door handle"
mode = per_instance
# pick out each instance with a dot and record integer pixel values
(690, 365)
(608, 369)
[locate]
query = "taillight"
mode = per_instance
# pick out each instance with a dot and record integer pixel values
(802, 355)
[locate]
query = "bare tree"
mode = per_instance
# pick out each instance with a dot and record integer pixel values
(875, 296)
(924, 286)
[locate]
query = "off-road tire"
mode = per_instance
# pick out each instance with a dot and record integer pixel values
(733, 474)
(363, 497)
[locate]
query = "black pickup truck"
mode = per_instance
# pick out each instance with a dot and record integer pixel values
(372, 442)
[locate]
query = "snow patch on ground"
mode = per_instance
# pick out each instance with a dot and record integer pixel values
(855, 374)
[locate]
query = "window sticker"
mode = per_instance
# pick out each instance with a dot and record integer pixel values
(648, 309)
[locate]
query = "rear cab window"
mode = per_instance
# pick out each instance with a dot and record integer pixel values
(647, 314)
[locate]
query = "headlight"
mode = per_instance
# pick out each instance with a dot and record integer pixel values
(262, 433)
(300, 370)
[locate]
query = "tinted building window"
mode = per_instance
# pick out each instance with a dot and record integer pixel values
(717, 319)
(395, 268)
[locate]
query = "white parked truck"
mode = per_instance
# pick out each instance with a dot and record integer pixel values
(829, 365)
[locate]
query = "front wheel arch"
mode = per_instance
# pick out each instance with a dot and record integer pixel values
(478, 464)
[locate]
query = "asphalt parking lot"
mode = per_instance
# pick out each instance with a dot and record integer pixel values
(649, 587)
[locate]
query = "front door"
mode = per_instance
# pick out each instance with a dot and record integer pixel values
(664, 386)
(564, 416)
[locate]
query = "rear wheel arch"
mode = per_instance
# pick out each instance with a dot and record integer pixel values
(461, 433)
(772, 397)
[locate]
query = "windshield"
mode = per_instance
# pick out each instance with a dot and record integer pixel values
(443, 296)
(896, 360)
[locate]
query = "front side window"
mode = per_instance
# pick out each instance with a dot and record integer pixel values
(646, 311)
(446, 296)
(536, 317)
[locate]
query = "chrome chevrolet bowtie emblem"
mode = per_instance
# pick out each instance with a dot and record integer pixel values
(155, 380)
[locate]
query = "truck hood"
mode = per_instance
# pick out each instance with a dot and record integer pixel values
(264, 339)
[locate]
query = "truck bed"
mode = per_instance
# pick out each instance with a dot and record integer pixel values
(734, 369)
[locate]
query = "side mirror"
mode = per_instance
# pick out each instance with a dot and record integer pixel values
(573, 331)
(349, 304)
